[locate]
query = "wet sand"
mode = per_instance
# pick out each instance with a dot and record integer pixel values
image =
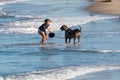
(105, 7)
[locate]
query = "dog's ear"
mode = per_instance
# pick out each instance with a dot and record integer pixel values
(62, 25)
(65, 26)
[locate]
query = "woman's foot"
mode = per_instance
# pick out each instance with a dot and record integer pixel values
(41, 43)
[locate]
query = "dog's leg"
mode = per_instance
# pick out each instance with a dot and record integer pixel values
(69, 40)
(65, 39)
(74, 39)
(78, 39)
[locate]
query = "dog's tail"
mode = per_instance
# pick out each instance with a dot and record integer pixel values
(80, 28)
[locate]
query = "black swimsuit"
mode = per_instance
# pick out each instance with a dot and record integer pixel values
(42, 28)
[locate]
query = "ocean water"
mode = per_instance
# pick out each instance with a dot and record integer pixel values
(23, 58)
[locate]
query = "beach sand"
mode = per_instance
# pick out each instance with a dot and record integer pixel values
(105, 7)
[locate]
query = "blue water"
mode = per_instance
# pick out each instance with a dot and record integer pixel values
(23, 58)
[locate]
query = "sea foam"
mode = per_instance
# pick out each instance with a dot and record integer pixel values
(4, 2)
(10, 1)
(31, 26)
(60, 73)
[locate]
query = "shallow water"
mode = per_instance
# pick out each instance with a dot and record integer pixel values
(23, 58)
(104, 75)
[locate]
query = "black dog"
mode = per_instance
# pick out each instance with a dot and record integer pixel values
(69, 33)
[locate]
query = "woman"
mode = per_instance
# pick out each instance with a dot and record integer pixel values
(42, 30)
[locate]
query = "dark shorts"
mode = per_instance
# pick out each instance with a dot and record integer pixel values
(39, 31)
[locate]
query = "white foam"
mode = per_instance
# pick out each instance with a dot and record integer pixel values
(108, 51)
(21, 30)
(101, 51)
(30, 16)
(61, 73)
(1, 78)
(3, 14)
(31, 26)
(10, 1)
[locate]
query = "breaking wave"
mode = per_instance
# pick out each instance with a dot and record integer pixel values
(59, 74)
(31, 26)
(3, 2)
(95, 51)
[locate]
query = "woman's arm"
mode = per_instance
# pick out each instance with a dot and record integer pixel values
(49, 30)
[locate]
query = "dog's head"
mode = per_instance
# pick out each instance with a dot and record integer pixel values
(63, 27)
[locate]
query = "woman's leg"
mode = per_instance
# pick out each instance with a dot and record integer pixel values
(44, 38)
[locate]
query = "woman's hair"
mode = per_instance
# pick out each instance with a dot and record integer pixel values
(46, 20)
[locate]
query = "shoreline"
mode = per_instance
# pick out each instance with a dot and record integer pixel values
(100, 75)
(104, 7)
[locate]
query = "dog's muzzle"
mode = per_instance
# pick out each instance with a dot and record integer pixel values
(61, 29)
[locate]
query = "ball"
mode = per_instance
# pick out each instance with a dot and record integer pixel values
(51, 35)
